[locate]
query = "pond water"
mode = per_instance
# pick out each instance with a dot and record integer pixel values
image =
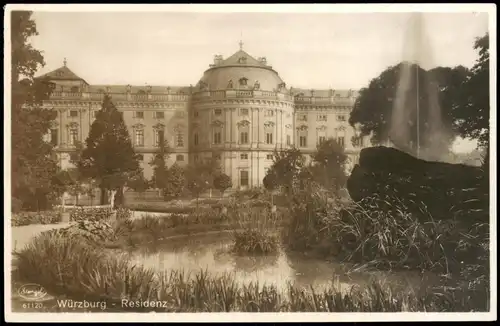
(212, 252)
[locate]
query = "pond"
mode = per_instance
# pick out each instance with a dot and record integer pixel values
(212, 252)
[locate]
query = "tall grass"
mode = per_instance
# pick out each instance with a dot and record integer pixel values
(387, 233)
(257, 230)
(64, 265)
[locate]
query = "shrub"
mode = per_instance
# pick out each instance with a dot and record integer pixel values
(123, 214)
(90, 214)
(255, 242)
(383, 231)
(42, 217)
(257, 232)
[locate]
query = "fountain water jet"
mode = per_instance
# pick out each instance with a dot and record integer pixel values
(416, 125)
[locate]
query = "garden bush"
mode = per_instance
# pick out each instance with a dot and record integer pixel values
(90, 214)
(42, 217)
(123, 213)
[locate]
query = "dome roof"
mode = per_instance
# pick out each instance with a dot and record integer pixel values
(240, 71)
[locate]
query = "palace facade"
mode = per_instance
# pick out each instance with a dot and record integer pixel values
(240, 111)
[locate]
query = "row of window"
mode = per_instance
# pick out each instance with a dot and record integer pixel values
(217, 112)
(137, 114)
(179, 139)
(217, 138)
(178, 157)
(322, 117)
(245, 157)
(159, 138)
(138, 137)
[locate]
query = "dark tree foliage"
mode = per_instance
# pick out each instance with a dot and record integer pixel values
(472, 114)
(138, 182)
(270, 182)
(175, 182)
(35, 184)
(286, 167)
(222, 182)
(329, 165)
(373, 109)
(109, 156)
(159, 164)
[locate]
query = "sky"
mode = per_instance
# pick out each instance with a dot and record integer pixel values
(308, 50)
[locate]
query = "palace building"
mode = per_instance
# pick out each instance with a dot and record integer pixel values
(240, 111)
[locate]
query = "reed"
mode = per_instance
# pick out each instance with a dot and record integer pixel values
(257, 231)
(79, 270)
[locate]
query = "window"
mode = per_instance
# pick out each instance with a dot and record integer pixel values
(244, 137)
(322, 117)
(321, 139)
(180, 139)
(179, 158)
(269, 113)
(195, 114)
(341, 141)
(243, 111)
(159, 137)
(139, 114)
(73, 113)
(73, 136)
(269, 157)
(288, 140)
(341, 117)
(140, 157)
(217, 137)
(54, 133)
(195, 139)
(159, 115)
(243, 81)
(139, 137)
(244, 156)
(303, 141)
(244, 178)
(74, 89)
(269, 138)
(217, 111)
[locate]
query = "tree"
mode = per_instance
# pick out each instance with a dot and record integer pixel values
(175, 182)
(109, 156)
(159, 164)
(197, 179)
(76, 185)
(270, 182)
(222, 182)
(472, 114)
(373, 109)
(34, 167)
(138, 182)
(286, 167)
(329, 167)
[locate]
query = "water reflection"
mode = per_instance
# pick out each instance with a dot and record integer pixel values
(213, 253)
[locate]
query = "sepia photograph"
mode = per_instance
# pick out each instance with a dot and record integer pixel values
(197, 161)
